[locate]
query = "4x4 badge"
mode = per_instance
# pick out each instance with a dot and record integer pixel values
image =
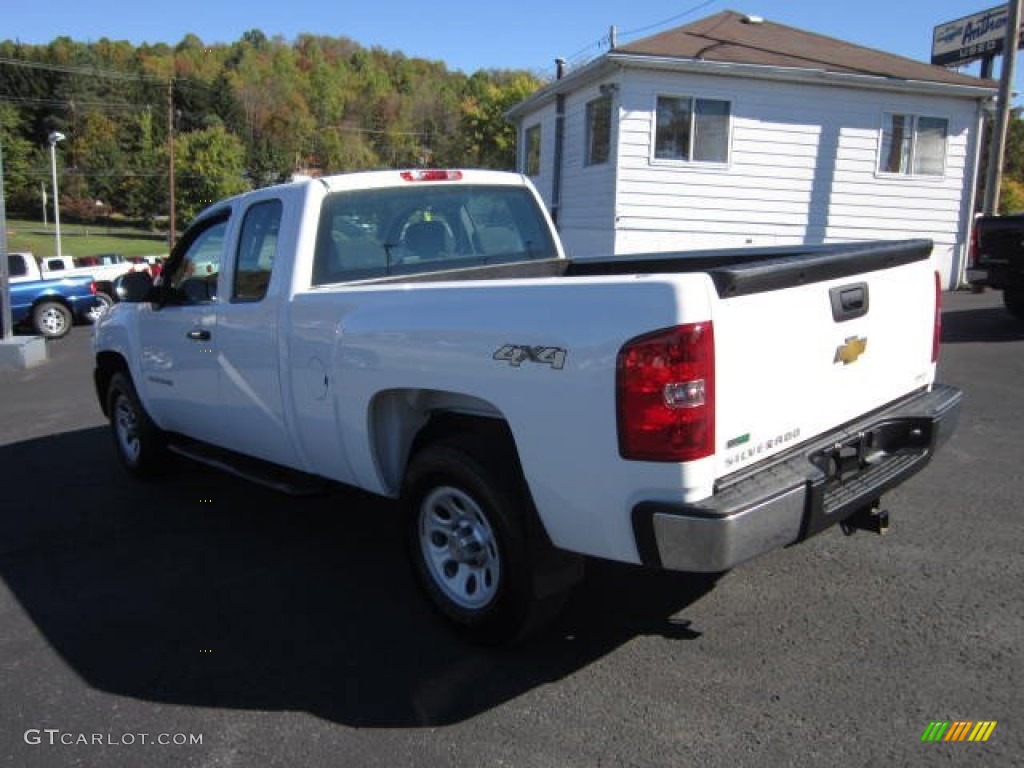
(849, 351)
(517, 354)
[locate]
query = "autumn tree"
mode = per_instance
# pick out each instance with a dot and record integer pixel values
(488, 139)
(315, 105)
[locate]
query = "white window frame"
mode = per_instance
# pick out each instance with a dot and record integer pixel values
(588, 131)
(537, 131)
(912, 154)
(690, 162)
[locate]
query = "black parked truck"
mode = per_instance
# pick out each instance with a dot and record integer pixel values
(997, 258)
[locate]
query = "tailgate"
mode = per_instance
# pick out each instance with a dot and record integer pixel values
(854, 333)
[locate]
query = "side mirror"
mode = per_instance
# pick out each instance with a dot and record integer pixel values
(134, 287)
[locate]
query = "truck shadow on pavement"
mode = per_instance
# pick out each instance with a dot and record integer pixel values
(985, 324)
(204, 590)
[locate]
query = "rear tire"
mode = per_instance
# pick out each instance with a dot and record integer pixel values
(139, 443)
(466, 511)
(52, 320)
(1013, 299)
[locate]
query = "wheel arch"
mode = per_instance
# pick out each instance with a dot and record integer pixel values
(401, 421)
(51, 298)
(108, 363)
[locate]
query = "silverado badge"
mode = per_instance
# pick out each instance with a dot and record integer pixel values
(850, 350)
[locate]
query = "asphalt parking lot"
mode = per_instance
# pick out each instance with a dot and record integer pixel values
(202, 621)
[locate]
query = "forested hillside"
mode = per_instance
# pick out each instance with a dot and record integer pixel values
(249, 114)
(242, 115)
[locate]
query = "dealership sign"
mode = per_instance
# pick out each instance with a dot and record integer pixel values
(970, 38)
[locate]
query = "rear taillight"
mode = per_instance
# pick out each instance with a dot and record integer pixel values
(665, 386)
(432, 175)
(972, 253)
(92, 287)
(937, 328)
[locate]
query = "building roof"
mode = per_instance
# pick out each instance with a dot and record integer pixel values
(735, 38)
(731, 43)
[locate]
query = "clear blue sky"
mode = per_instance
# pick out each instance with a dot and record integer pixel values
(474, 34)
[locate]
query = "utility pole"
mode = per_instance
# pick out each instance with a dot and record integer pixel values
(997, 147)
(6, 314)
(171, 233)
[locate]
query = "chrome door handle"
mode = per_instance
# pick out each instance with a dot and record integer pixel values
(199, 334)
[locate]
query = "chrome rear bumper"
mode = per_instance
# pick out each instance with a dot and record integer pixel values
(800, 493)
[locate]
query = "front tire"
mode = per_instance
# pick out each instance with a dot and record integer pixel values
(1013, 299)
(138, 441)
(105, 303)
(466, 512)
(52, 320)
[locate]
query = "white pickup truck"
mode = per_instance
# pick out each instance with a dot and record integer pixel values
(421, 335)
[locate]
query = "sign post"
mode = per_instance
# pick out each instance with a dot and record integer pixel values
(982, 36)
(997, 147)
(979, 36)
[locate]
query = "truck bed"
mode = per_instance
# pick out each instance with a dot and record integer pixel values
(734, 272)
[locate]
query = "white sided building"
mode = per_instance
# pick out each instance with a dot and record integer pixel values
(735, 131)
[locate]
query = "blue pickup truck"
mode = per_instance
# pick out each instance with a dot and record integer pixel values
(49, 307)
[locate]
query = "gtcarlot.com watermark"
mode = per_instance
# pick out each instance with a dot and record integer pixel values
(57, 737)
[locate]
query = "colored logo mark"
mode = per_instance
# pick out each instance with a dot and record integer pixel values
(958, 730)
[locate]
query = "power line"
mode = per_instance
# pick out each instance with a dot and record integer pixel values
(72, 173)
(584, 54)
(112, 74)
(72, 104)
(670, 20)
(68, 69)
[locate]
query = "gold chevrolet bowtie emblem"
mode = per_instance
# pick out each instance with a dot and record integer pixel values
(849, 351)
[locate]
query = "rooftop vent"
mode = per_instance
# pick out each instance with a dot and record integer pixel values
(753, 20)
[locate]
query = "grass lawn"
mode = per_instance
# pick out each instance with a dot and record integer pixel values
(82, 240)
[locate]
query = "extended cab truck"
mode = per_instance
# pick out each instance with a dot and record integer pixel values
(421, 335)
(49, 307)
(997, 258)
(24, 268)
(107, 269)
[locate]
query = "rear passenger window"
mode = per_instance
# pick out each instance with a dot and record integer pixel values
(16, 266)
(257, 247)
(404, 230)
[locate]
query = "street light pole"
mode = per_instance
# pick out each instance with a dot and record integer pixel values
(54, 137)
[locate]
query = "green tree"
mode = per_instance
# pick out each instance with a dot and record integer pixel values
(100, 157)
(142, 191)
(209, 166)
(21, 186)
(340, 150)
(488, 139)
(1011, 196)
(1013, 160)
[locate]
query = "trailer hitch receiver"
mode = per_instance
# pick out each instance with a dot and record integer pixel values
(869, 518)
